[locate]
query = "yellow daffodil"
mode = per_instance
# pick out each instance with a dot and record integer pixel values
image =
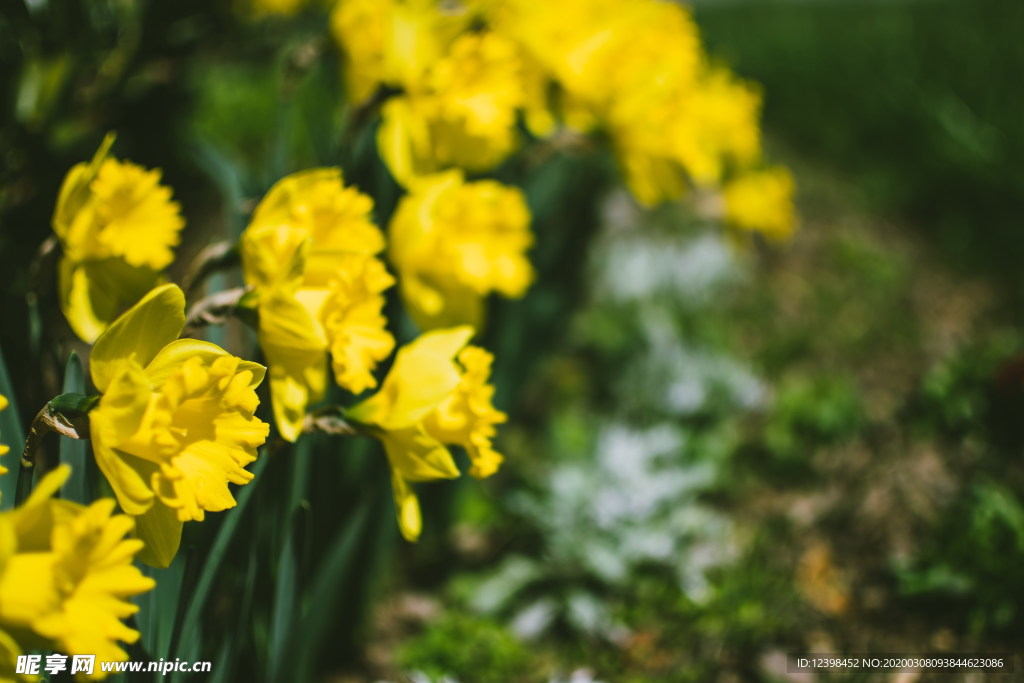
(462, 115)
(175, 423)
(436, 393)
(66, 576)
(637, 70)
(308, 254)
(117, 227)
(392, 42)
(761, 201)
(454, 242)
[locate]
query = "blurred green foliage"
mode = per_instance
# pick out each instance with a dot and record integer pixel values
(468, 648)
(917, 101)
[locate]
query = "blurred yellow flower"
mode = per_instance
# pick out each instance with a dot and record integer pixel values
(117, 226)
(599, 51)
(436, 393)
(352, 318)
(308, 254)
(392, 42)
(637, 70)
(316, 205)
(175, 423)
(462, 114)
(66, 577)
(453, 242)
(762, 201)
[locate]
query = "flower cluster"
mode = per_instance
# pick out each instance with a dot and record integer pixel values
(309, 255)
(459, 87)
(467, 74)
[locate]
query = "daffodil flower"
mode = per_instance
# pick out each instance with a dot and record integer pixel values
(117, 227)
(175, 423)
(454, 242)
(66, 576)
(393, 42)
(462, 114)
(637, 72)
(436, 393)
(308, 255)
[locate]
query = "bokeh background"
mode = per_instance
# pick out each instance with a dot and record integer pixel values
(717, 454)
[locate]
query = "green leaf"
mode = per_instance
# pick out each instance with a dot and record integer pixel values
(286, 583)
(326, 594)
(160, 608)
(73, 452)
(283, 619)
(189, 632)
(12, 435)
(221, 672)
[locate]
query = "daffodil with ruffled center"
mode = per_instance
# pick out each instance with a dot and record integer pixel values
(454, 242)
(393, 42)
(175, 423)
(66, 576)
(463, 114)
(430, 399)
(117, 227)
(308, 254)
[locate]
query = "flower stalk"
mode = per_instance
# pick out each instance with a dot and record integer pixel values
(215, 309)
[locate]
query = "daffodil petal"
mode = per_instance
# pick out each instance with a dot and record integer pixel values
(74, 191)
(296, 351)
(404, 141)
(177, 352)
(423, 375)
(130, 481)
(140, 333)
(160, 529)
(94, 293)
(48, 485)
(417, 456)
